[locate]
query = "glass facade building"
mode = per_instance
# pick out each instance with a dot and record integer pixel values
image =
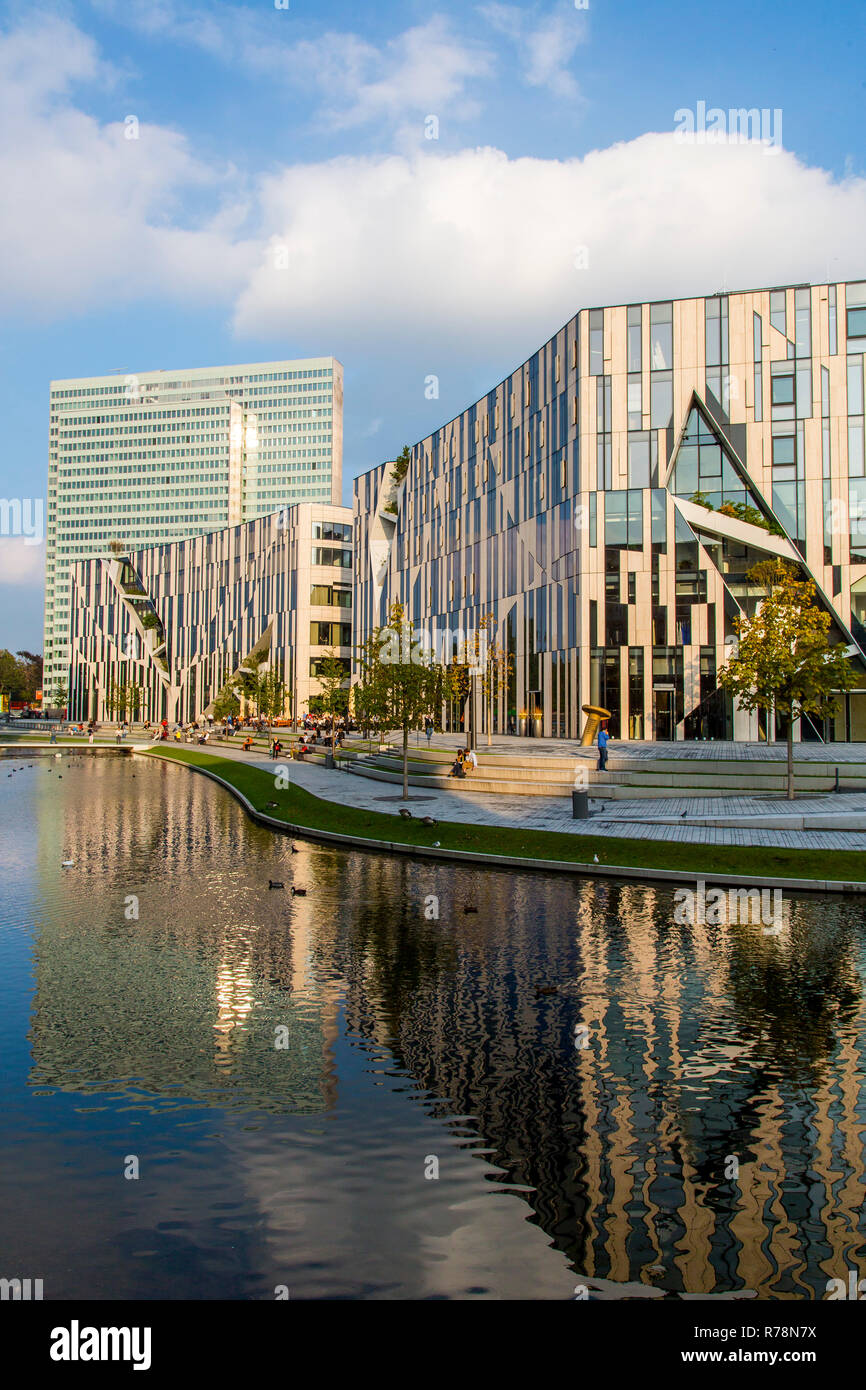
(602, 507)
(157, 633)
(139, 460)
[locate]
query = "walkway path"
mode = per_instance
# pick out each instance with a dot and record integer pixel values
(667, 818)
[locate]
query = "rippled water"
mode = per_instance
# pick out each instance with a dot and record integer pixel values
(288, 1073)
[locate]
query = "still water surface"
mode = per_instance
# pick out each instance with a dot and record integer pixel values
(289, 1073)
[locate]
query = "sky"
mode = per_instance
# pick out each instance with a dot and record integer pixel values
(418, 189)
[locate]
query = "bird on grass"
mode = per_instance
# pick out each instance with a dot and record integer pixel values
(595, 859)
(406, 814)
(428, 820)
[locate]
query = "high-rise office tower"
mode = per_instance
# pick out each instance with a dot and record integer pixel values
(146, 458)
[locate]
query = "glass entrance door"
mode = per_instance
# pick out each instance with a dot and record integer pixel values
(663, 711)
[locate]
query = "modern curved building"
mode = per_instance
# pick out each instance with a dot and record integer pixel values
(604, 503)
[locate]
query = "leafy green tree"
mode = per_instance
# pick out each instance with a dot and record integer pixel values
(20, 675)
(333, 677)
(248, 680)
(124, 698)
(60, 696)
(401, 465)
(271, 695)
(785, 658)
(226, 703)
(400, 680)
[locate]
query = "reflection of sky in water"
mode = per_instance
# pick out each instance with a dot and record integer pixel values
(286, 1068)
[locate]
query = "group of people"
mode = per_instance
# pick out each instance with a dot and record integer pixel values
(465, 762)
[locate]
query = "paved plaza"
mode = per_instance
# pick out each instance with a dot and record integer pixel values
(695, 820)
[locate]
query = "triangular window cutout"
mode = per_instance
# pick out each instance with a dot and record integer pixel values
(705, 471)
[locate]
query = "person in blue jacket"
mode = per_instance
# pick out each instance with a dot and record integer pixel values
(603, 740)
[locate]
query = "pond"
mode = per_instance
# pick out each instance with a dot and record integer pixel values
(408, 1080)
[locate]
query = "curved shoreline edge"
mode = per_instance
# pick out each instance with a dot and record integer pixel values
(509, 862)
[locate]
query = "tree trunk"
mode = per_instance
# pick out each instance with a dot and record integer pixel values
(405, 762)
(790, 794)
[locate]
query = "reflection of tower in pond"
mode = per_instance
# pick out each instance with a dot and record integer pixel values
(624, 1142)
(185, 1000)
(234, 995)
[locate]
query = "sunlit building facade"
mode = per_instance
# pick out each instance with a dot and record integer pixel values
(157, 633)
(604, 503)
(154, 457)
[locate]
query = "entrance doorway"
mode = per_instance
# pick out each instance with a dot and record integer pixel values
(663, 715)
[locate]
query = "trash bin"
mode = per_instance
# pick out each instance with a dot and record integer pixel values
(580, 805)
(329, 760)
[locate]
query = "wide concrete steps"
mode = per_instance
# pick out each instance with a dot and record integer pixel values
(475, 782)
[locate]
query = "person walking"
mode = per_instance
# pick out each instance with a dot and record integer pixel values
(428, 729)
(603, 740)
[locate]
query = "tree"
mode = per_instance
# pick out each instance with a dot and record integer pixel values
(248, 679)
(401, 465)
(124, 698)
(20, 675)
(60, 696)
(271, 695)
(785, 658)
(399, 681)
(226, 702)
(498, 665)
(332, 676)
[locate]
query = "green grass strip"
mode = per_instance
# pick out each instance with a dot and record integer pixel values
(300, 808)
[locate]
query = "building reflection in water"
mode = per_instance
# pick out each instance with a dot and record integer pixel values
(710, 1051)
(708, 1048)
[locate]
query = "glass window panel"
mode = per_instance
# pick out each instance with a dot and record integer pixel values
(782, 390)
(778, 312)
(639, 462)
(783, 449)
(661, 401)
(855, 448)
(856, 323)
(711, 460)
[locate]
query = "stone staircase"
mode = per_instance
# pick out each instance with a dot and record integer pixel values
(626, 778)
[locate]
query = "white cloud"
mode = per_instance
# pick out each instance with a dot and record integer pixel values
(438, 255)
(21, 565)
(546, 42)
(425, 69)
(460, 253)
(87, 211)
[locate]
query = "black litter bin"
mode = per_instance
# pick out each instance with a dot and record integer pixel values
(329, 760)
(579, 805)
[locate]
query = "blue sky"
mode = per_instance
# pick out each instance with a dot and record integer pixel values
(306, 130)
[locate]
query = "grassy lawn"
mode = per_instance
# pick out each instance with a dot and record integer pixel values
(301, 810)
